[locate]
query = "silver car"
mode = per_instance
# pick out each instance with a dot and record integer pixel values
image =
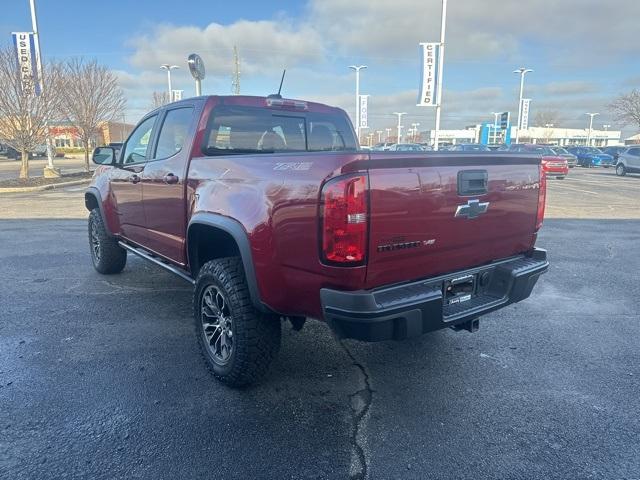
(629, 161)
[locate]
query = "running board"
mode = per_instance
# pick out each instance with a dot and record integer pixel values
(141, 253)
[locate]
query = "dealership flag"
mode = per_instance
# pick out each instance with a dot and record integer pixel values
(428, 94)
(524, 122)
(364, 100)
(27, 62)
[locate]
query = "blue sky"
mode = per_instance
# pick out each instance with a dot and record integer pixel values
(584, 52)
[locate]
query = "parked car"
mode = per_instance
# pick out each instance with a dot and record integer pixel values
(614, 151)
(469, 147)
(591, 157)
(38, 151)
(405, 147)
(553, 164)
(629, 161)
(269, 209)
(379, 147)
(572, 160)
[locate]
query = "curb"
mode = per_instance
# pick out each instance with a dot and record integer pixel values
(40, 188)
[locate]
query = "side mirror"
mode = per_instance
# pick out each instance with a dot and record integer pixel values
(104, 156)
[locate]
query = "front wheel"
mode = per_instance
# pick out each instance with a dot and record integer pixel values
(237, 342)
(620, 170)
(107, 256)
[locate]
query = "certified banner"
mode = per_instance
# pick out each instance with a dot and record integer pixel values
(27, 64)
(428, 93)
(524, 121)
(364, 100)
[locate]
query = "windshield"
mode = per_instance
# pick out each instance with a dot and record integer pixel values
(238, 130)
(560, 151)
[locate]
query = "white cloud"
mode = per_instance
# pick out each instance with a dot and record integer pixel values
(264, 45)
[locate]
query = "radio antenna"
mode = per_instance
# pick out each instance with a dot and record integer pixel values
(282, 81)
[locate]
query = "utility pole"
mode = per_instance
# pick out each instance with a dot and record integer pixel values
(357, 69)
(443, 24)
(522, 71)
(591, 115)
(168, 68)
(399, 114)
(50, 169)
(235, 84)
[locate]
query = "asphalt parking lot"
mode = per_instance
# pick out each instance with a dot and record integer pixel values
(100, 377)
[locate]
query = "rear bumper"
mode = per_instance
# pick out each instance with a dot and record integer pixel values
(409, 310)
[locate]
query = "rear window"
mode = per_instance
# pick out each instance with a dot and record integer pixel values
(238, 130)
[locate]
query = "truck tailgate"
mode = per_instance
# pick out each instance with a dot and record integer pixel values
(427, 218)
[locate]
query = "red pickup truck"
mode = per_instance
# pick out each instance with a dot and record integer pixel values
(270, 209)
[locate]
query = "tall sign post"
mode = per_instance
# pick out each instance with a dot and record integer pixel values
(431, 78)
(196, 67)
(49, 170)
(357, 68)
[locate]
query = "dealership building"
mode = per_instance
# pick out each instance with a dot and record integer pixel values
(487, 133)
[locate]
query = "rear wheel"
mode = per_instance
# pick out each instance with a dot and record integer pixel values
(237, 342)
(620, 170)
(107, 256)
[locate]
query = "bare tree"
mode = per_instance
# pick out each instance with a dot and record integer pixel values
(626, 107)
(158, 99)
(23, 114)
(547, 117)
(92, 98)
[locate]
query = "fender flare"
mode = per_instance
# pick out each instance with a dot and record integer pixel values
(94, 192)
(239, 234)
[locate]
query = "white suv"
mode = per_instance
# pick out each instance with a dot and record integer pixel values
(629, 161)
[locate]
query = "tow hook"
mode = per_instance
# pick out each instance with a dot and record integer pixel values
(470, 326)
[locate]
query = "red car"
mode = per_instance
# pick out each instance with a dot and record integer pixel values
(268, 207)
(553, 164)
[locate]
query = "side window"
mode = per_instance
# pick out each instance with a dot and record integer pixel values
(635, 152)
(138, 143)
(173, 132)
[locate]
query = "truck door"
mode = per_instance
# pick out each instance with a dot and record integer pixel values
(163, 183)
(125, 181)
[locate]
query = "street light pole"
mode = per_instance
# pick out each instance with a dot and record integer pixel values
(415, 131)
(357, 69)
(379, 132)
(399, 114)
(388, 130)
(443, 24)
(591, 115)
(522, 71)
(36, 42)
(168, 67)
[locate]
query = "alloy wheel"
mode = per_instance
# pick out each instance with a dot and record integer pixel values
(217, 324)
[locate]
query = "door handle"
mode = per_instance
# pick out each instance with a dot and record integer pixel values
(134, 178)
(170, 179)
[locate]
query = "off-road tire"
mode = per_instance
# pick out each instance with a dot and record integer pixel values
(256, 336)
(107, 256)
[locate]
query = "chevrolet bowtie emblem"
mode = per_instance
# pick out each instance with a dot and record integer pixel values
(473, 209)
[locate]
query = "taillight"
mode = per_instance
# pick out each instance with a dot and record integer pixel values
(344, 213)
(542, 197)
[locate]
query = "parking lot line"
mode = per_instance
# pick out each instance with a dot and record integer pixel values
(576, 189)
